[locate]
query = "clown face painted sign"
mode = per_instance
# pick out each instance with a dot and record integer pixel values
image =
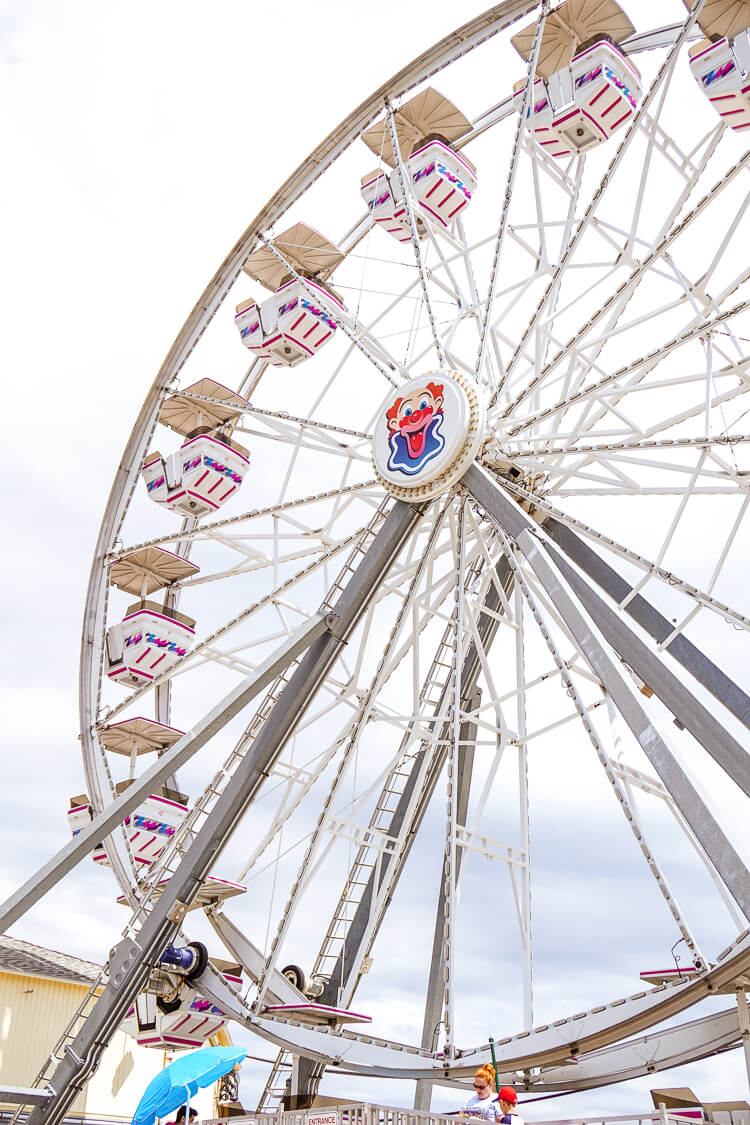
(427, 433)
(415, 421)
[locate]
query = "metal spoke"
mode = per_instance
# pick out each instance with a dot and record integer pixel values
(665, 69)
(528, 98)
(357, 334)
(617, 785)
(405, 183)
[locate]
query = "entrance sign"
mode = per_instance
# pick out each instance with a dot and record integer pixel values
(326, 1117)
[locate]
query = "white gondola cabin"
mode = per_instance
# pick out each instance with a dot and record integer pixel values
(442, 181)
(146, 643)
(722, 70)
(300, 317)
(289, 327)
(209, 466)
(585, 88)
(183, 1023)
(150, 826)
(150, 637)
(198, 478)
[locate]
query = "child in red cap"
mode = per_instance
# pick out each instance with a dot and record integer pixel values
(507, 1101)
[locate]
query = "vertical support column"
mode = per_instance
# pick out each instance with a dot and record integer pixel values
(303, 1083)
(434, 1000)
(523, 813)
(744, 1017)
(449, 865)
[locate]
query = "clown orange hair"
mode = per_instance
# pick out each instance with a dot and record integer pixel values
(392, 412)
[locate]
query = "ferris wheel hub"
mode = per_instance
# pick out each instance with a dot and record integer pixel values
(427, 434)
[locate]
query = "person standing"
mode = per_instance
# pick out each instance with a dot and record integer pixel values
(482, 1103)
(180, 1116)
(507, 1100)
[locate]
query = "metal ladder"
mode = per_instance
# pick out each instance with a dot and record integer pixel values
(431, 697)
(358, 552)
(368, 855)
(276, 1086)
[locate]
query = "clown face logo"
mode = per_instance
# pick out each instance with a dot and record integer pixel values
(414, 429)
(427, 433)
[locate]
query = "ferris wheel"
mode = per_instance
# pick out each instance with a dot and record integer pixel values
(430, 534)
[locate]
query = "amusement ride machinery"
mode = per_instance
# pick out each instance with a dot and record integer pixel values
(454, 613)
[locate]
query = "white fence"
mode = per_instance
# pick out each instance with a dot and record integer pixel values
(362, 1113)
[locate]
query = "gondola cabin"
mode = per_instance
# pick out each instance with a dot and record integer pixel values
(585, 88)
(442, 183)
(209, 467)
(582, 105)
(300, 316)
(441, 180)
(289, 327)
(198, 478)
(722, 71)
(186, 1022)
(150, 826)
(146, 643)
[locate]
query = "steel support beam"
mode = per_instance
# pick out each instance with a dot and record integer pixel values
(648, 617)
(434, 996)
(106, 821)
(671, 690)
(607, 667)
(131, 960)
(726, 751)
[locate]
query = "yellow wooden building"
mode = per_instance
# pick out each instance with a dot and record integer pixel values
(40, 989)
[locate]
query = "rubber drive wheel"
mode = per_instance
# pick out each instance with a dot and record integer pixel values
(294, 974)
(201, 959)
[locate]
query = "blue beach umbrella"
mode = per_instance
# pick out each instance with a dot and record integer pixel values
(174, 1085)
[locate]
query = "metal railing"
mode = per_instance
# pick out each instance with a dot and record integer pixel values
(363, 1113)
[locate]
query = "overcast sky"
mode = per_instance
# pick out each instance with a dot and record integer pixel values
(138, 142)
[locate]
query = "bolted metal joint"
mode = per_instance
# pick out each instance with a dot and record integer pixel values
(334, 623)
(122, 957)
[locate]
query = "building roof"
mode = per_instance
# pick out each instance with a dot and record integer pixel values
(18, 956)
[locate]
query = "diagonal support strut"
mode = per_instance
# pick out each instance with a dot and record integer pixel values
(131, 960)
(498, 505)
